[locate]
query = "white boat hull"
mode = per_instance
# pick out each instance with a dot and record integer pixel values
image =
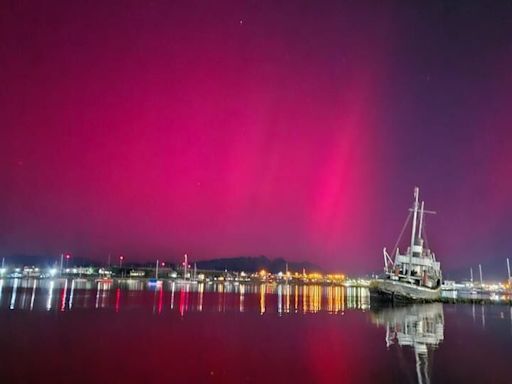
(392, 290)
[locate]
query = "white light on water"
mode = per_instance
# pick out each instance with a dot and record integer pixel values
(50, 295)
(70, 304)
(13, 295)
(33, 295)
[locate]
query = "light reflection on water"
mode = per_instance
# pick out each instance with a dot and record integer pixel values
(69, 294)
(419, 327)
(409, 335)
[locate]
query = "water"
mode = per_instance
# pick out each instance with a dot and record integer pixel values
(82, 331)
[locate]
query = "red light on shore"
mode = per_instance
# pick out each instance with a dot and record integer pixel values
(68, 255)
(121, 257)
(163, 264)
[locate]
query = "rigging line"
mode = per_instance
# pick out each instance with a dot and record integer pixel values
(425, 234)
(401, 233)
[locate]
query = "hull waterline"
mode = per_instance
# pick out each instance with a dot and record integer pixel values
(389, 290)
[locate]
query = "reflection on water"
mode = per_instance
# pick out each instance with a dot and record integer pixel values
(420, 327)
(79, 294)
(331, 332)
(33, 295)
(13, 294)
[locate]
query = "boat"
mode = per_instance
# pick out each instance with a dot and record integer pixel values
(186, 279)
(415, 275)
(153, 281)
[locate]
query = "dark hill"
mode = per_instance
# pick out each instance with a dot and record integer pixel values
(254, 264)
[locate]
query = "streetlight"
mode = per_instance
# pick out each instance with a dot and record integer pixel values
(121, 258)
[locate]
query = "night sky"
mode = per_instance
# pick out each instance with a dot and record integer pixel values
(227, 128)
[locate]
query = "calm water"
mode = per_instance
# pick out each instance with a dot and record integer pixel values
(63, 332)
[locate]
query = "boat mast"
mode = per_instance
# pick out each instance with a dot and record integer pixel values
(156, 270)
(481, 279)
(413, 234)
(508, 268)
(422, 212)
(471, 274)
(185, 265)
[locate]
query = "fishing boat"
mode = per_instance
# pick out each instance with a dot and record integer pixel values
(415, 275)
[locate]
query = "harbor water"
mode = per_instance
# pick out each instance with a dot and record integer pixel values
(79, 331)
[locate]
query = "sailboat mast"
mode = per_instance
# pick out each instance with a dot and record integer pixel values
(471, 274)
(508, 268)
(413, 233)
(156, 270)
(185, 265)
(480, 269)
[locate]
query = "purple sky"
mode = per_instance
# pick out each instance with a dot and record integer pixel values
(226, 128)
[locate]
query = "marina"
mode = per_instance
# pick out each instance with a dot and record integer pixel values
(236, 333)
